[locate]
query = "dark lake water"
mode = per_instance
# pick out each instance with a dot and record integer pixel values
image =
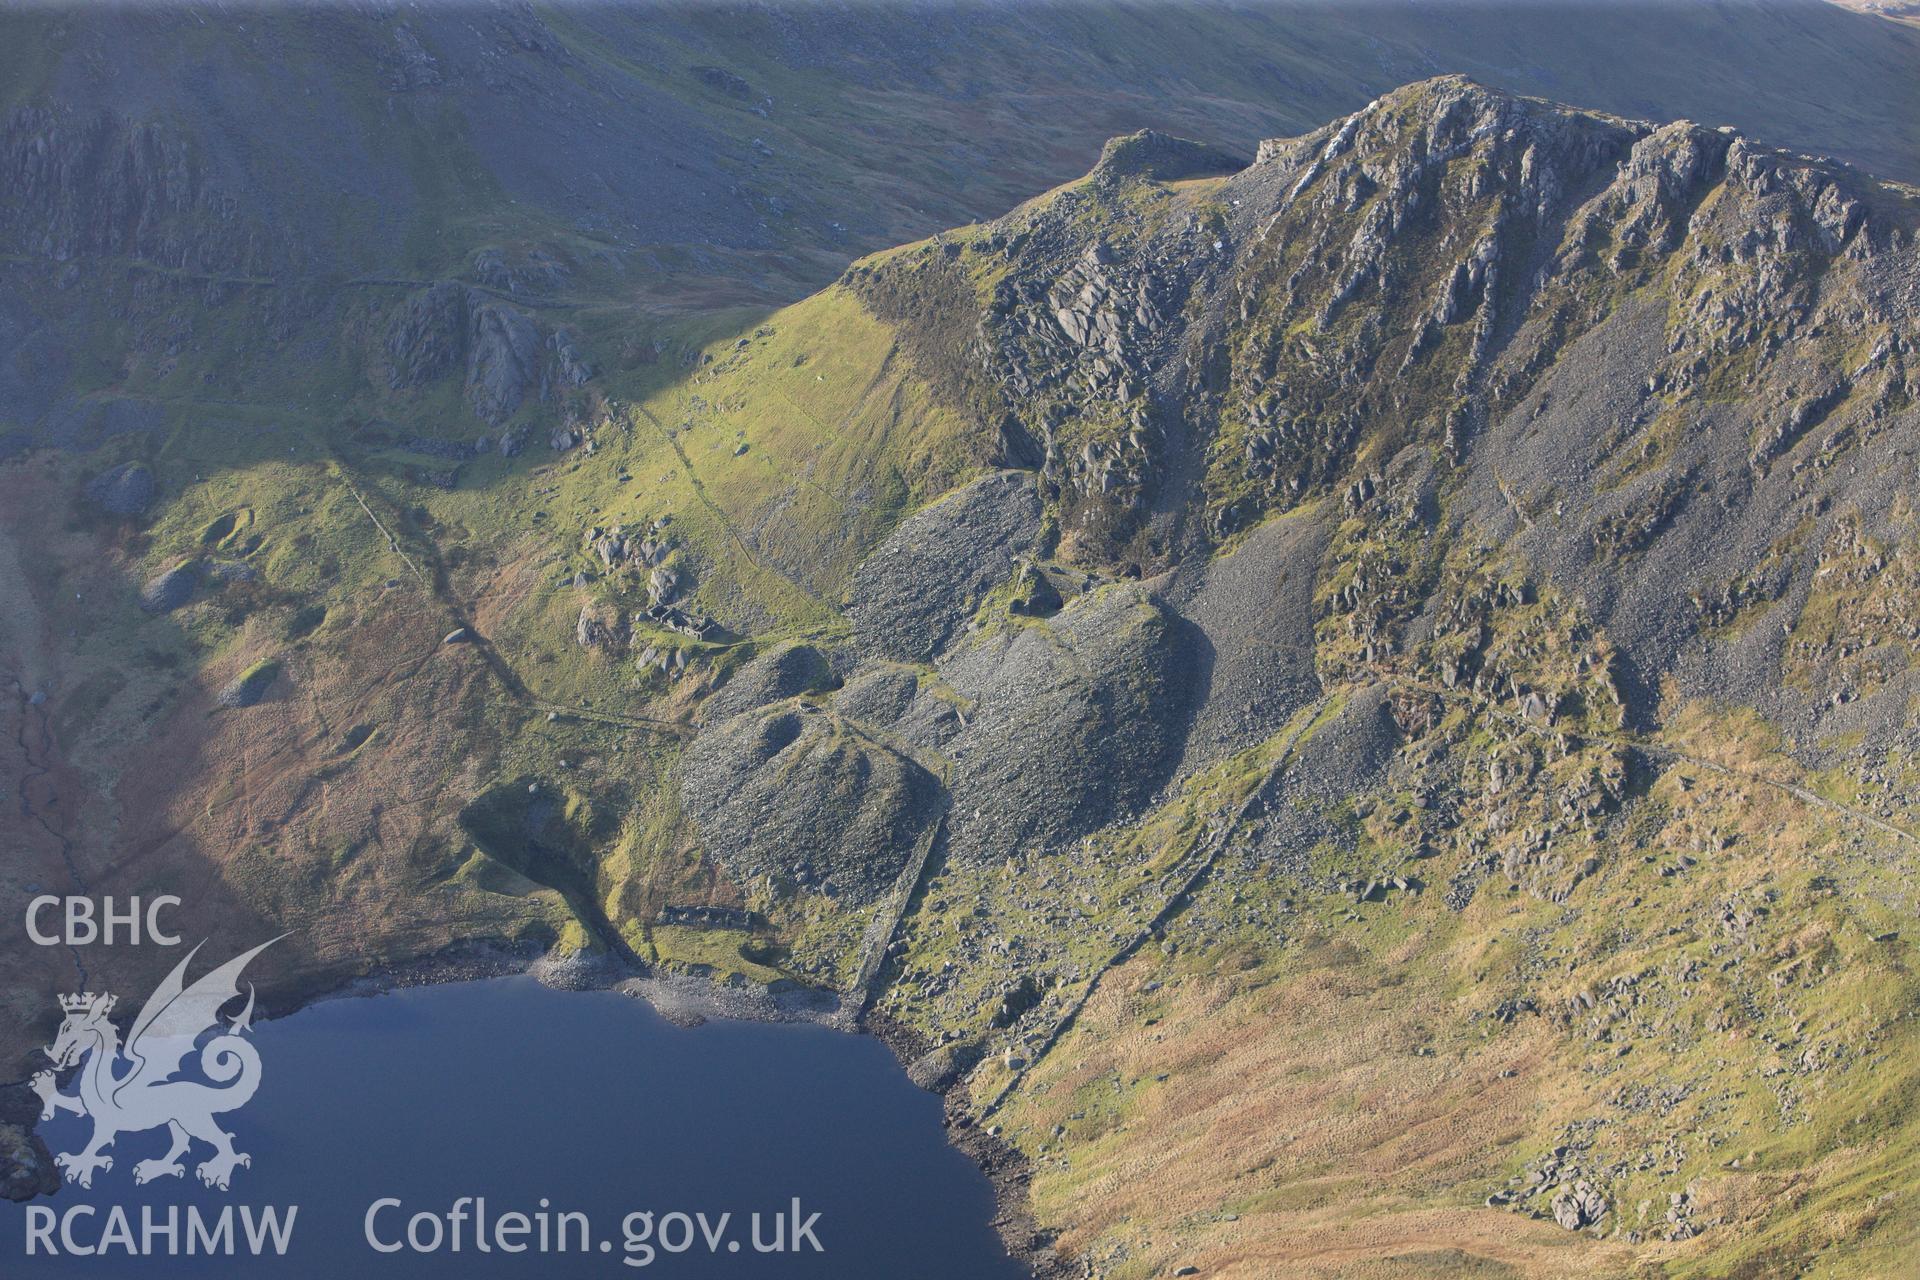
(512, 1092)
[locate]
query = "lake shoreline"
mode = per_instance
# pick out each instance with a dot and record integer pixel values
(1008, 1171)
(683, 999)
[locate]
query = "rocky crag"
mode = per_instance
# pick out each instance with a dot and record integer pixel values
(1468, 550)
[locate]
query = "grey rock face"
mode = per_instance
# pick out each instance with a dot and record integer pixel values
(96, 183)
(571, 366)
(775, 676)
(125, 490)
(427, 336)
(794, 793)
(503, 360)
(1076, 723)
(167, 591)
(917, 588)
(506, 358)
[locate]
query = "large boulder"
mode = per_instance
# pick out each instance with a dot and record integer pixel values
(794, 793)
(920, 585)
(943, 1067)
(601, 626)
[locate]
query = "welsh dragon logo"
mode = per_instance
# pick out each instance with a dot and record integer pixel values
(143, 1093)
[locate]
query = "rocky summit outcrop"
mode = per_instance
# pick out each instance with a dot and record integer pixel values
(1596, 317)
(1162, 157)
(1409, 274)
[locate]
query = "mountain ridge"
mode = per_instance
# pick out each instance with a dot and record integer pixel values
(1424, 618)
